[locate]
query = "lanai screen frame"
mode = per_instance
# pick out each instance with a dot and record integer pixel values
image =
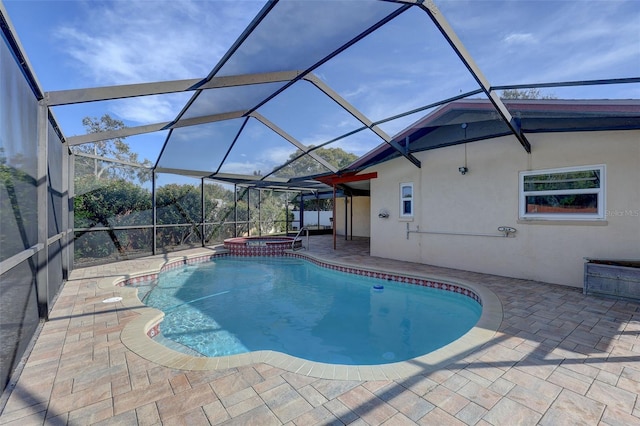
(220, 78)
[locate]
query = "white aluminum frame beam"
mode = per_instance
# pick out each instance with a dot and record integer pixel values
(150, 128)
(293, 140)
(111, 160)
(95, 94)
(183, 172)
(456, 44)
(249, 178)
(311, 78)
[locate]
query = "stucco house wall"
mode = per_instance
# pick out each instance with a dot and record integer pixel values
(361, 216)
(487, 197)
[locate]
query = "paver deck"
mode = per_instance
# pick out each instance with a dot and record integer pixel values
(558, 357)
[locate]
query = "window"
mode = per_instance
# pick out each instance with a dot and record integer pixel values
(406, 200)
(573, 193)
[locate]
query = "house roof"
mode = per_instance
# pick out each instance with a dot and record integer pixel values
(472, 120)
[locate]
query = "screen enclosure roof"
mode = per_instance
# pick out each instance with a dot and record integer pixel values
(315, 89)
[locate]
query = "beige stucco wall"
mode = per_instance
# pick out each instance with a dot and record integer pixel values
(487, 197)
(361, 216)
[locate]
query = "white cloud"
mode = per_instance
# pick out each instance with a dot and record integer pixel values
(277, 155)
(150, 109)
(520, 39)
(243, 168)
(114, 43)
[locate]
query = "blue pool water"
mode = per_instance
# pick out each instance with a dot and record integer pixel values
(230, 306)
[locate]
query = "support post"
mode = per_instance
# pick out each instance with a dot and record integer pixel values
(351, 220)
(154, 212)
(64, 243)
(203, 211)
(286, 213)
(346, 215)
(318, 208)
(248, 212)
(42, 257)
(70, 211)
(301, 211)
(333, 224)
(235, 210)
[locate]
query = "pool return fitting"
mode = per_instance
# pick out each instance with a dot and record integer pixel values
(505, 232)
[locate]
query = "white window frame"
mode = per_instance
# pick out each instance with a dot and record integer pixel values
(600, 215)
(404, 215)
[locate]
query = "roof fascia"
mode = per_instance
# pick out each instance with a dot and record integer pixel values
(599, 82)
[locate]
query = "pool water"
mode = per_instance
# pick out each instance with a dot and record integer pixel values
(231, 306)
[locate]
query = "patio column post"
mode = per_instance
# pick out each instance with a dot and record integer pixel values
(333, 223)
(42, 256)
(154, 215)
(203, 210)
(235, 210)
(301, 210)
(346, 217)
(318, 207)
(351, 220)
(260, 212)
(286, 213)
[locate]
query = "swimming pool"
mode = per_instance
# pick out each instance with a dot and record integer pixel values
(233, 305)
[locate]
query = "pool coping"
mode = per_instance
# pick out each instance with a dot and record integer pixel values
(135, 335)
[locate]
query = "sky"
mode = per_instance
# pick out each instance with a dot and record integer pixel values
(405, 65)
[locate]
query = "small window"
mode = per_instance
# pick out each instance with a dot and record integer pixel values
(406, 199)
(573, 193)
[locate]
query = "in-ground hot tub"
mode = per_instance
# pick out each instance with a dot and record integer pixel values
(260, 246)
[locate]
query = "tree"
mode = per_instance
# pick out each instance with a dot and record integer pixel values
(17, 189)
(308, 166)
(524, 94)
(121, 203)
(272, 212)
(116, 149)
(179, 204)
(105, 192)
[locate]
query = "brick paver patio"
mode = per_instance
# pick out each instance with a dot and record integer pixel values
(559, 357)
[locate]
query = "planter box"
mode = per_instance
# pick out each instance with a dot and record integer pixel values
(611, 278)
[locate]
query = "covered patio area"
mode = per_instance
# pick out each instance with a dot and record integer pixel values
(558, 357)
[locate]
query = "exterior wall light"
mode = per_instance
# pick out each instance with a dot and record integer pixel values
(463, 170)
(383, 214)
